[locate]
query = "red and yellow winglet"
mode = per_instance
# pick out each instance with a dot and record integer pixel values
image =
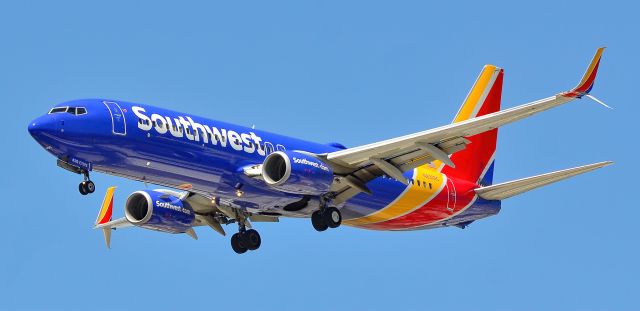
(586, 84)
(104, 216)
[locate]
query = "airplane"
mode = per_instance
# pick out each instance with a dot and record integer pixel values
(216, 173)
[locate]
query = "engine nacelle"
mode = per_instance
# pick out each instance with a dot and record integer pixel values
(158, 211)
(296, 172)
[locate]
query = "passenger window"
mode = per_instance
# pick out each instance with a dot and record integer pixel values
(418, 181)
(430, 186)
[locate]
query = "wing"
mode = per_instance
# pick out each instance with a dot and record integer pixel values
(392, 157)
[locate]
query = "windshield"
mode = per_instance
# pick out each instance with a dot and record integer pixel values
(72, 110)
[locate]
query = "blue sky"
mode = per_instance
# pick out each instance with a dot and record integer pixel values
(353, 72)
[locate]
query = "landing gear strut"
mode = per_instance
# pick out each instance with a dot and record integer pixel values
(245, 240)
(326, 217)
(86, 186)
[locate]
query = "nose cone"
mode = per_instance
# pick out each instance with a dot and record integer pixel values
(42, 125)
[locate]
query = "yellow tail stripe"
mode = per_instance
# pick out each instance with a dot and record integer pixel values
(473, 99)
(414, 197)
(469, 107)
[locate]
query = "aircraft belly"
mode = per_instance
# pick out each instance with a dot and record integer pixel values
(442, 201)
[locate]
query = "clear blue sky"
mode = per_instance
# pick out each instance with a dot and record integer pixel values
(351, 72)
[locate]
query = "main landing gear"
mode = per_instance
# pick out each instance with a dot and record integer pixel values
(86, 186)
(245, 240)
(326, 217)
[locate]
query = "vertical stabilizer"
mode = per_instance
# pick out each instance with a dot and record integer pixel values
(475, 162)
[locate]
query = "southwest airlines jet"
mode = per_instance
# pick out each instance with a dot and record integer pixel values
(218, 173)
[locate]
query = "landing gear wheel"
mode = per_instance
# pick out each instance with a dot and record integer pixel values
(332, 217)
(318, 222)
(86, 186)
(89, 186)
(237, 243)
(82, 188)
(251, 238)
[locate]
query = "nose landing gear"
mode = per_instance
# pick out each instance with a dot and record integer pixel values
(86, 186)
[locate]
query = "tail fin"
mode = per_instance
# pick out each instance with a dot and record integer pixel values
(475, 163)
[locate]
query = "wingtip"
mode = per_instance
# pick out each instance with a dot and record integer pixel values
(107, 237)
(600, 164)
(588, 79)
(601, 103)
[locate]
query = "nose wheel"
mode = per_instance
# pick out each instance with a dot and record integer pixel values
(87, 186)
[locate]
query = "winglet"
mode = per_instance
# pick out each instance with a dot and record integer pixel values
(586, 84)
(104, 216)
(107, 236)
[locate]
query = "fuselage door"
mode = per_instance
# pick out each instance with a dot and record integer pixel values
(119, 125)
(451, 195)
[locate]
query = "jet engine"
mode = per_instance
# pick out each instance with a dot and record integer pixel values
(158, 211)
(297, 172)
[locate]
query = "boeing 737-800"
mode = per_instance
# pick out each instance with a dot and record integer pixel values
(218, 173)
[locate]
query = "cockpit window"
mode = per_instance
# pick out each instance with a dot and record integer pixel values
(58, 110)
(72, 110)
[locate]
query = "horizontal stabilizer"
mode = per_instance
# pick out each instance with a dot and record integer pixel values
(515, 187)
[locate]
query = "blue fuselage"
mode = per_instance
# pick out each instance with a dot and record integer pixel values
(178, 150)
